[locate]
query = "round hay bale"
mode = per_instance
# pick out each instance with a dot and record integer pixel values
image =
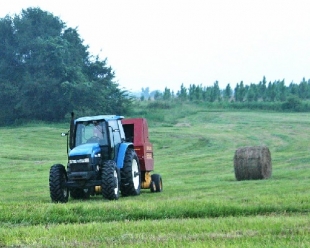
(252, 163)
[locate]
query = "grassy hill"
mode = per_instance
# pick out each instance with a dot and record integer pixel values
(202, 204)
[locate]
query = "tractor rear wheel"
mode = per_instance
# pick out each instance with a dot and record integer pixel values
(57, 180)
(157, 182)
(130, 174)
(110, 180)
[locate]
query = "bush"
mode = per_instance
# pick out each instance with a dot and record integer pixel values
(293, 103)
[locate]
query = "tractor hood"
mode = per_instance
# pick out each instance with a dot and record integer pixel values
(85, 149)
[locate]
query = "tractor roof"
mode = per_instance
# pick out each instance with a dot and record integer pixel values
(99, 117)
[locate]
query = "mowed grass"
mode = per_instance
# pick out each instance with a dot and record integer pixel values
(202, 204)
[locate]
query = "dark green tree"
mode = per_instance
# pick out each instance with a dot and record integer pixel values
(240, 92)
(195, 92)
(227, 93)
(167, 95)
(303, 89)
(281, 91)
(262, 88)
(252, 93)
(182, 93)
(216, 92)
(198, 92)
(192, 92)
(308, 89)
(271, 92)
(293, 89)
(47, 72)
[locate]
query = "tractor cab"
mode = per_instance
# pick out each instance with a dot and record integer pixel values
(105, 131)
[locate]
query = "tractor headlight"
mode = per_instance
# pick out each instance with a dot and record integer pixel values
(79, 161)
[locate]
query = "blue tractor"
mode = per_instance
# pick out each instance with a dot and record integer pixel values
(102, 160)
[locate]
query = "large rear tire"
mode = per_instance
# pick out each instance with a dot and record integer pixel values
(110, 180)
(57, 180)
(130, 174)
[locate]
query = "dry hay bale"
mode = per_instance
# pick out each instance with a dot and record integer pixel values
(252, 162)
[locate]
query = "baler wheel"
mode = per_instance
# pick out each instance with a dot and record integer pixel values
(130, 174)
(158, 182)
(57, 179)
(110, 180)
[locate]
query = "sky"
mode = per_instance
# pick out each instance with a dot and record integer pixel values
(167, 43)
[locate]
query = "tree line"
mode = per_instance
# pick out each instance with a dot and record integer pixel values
(46, 72)
(287, 97)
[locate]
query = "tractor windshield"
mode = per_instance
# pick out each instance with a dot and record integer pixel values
(91, 132)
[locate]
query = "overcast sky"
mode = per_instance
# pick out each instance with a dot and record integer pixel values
(164, 43)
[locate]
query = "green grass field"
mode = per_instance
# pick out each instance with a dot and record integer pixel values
(202, 204)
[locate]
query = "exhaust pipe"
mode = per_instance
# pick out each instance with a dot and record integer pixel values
(71, 143)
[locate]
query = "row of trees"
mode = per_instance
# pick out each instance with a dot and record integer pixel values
(275, 91)
(46, 71)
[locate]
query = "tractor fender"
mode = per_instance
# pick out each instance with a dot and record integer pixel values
(121, 154)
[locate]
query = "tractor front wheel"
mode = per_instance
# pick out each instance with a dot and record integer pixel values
(57, 180)
(110, 180)
(130, 174)
(156, 183)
